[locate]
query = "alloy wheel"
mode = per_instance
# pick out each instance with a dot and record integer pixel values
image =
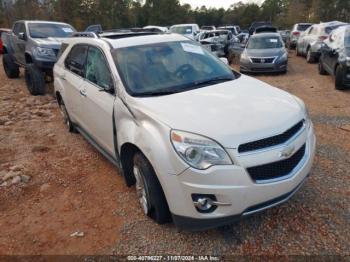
(141, 190)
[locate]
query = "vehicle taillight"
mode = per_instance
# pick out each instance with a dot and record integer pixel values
(322, 38)
(296, 33)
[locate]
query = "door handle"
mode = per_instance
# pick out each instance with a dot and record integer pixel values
(82, 92)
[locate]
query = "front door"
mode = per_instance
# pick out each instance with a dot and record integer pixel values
(97, 105)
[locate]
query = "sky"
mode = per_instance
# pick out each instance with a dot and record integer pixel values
(215, 3)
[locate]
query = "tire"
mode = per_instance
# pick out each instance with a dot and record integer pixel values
(66, 118)
(35, 80)
(321, 69)
(297, 51)
(10, 67)
(339, 76)
(149, 191)
(309, 57)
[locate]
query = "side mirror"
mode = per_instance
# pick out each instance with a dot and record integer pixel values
(224, 60)
(22, 36)
(109, 88)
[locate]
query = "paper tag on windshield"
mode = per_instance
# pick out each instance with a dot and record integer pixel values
(67, 29)
(192, 48)
(273, 40)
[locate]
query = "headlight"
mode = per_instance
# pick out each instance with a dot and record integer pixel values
(45, 52)
(198, 151)
(244, 56)
(284, 57)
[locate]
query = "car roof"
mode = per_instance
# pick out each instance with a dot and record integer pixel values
(304, 24)
(184, 25)
(41, 22)
(218, 31)
(265, 35)
(125, 39)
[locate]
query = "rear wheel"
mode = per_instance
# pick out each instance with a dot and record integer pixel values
(321, 69)
(297, 51)
(10, 67)
(309, 57)
(339, 79)
(149, 191)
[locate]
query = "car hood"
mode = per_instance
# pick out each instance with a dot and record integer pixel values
(50, 42)
(265, 52)
(231, 113)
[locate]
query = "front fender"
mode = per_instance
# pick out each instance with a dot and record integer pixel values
(151, 136)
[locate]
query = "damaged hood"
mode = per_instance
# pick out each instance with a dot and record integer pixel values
(233, 112)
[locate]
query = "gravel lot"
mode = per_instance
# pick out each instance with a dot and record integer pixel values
(61, 185)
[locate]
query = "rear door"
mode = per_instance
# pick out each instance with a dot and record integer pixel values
(73, 81)
(97, 104)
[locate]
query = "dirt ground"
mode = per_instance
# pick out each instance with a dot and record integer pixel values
(61, 185)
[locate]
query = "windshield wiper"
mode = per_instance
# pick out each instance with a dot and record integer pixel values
(157, 93)
(184, 88)
(215, 80)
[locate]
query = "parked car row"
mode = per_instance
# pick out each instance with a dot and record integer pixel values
(203, 144)
(326, 43)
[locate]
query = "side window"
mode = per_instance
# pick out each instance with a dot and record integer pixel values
(19, 28)
(97, 70)
(75, 61)
(16, 28)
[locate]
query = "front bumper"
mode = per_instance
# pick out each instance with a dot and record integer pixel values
(246, 66)
(232, 184)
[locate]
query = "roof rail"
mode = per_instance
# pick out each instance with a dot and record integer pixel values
(85, 34)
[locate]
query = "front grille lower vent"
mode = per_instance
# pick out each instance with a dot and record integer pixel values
(271, 141)
(277, 169)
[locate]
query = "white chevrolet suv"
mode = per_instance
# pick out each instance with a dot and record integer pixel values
(204, 144)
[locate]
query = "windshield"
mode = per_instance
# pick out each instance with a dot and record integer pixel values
(45, 30)
(329, 29)
(302, 27)
(170, 67)
(264, 42)
(183, 30)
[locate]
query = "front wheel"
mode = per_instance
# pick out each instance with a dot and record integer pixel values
(149, 191)
(35, 80)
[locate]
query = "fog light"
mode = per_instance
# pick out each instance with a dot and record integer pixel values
(204, 203)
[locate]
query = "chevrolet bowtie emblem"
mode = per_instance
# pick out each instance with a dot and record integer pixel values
(287, 152)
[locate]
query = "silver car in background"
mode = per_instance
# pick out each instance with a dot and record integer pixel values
(266, 53)
(219, 42)
(310, 42)
(297, 30)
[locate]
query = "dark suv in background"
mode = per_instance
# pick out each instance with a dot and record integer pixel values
(335, 57)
